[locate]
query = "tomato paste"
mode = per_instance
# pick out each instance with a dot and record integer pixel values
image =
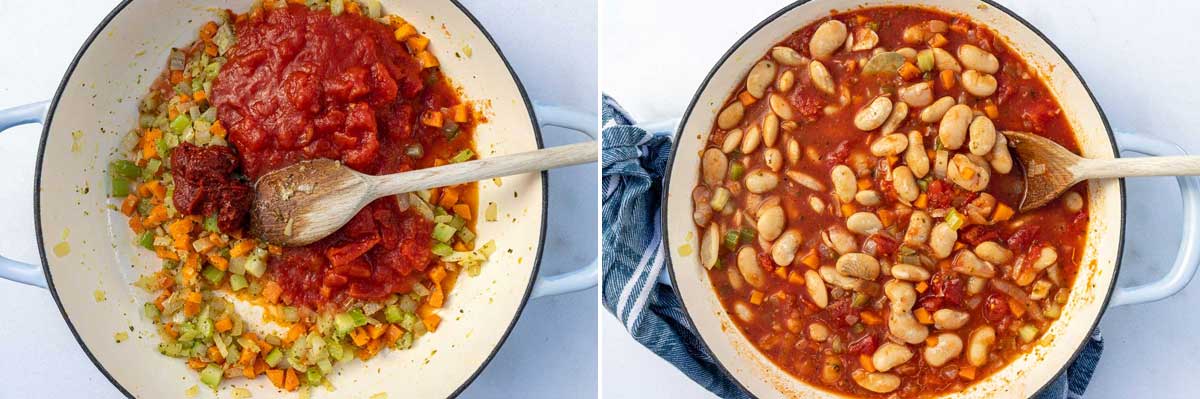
(204, 185)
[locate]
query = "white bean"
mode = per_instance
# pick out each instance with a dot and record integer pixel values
(915, 156)
(919, 224)
(876, 382)
(816, 288)
(771, 222)
(941, 162)
(1000, 159)
(890, 355)
(966, 262)
(889, 145)
(760, 78)
(901, 322)
(818, 332)
(780, 107)
(784, 250)
(751, 140)
(899, 112)
(941, 240)
(864, 39)
(821, 78)
(830, 275)
(733, 141)
(816, 203)
(773, 158)
(793, 151)
(992, 252)
(943, 60)
(1072, 201)
(844, 183)
(905, 184)
(949, 319)
(977, 59)
(710, 246)
(952, 130)
(935, 111)
(907, 272)
(873, 115)
(868, 198)
(864, 223)
(747, 263)
(978, 84)
(713, 166)
(1046, 257)
(759, 181)
(788, 56)
(735, 278)
(858, 265)
(828, 37)
(916, 95)
(983, 135)
(975, 180)
(770, 129)
(743, 311)
(840, 239)
(731, 115)
(948, 347)
(979, 345)
(786, 81)
(805, 180)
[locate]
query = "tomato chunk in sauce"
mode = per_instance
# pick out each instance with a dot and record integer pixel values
(857, 205)
(302, 84)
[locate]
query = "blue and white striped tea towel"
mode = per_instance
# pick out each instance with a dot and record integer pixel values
(634, 164)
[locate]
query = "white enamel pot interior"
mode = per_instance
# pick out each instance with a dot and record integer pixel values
(98, 99)
(1091, 290)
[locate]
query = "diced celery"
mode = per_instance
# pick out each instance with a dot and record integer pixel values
(313, 376)
(409, 322)
(213, 275)
(118, 186)
(150, 311)
(466, 235)
(955, 220)
(925, 61)
(151, 169)
(161, 146)
(291, 313)
(444, 219)
(358, 317)
(144, 206)
(732, 237)
(125, 168)
(255, 265)
(146, 240)
(405, 341)
(374, 9)
(274, 357)
(457, 222)
(211, 375)
(443, 232)
(204, 327)
(210, 224)
(736, 170)
(393, 314)
(180, 123)
(336, 7)
(442, 249)
(462, 156)
(336, 351)
(324, 366)
(1027, 333)
(720, 197)
(237, 282)
(747, 235)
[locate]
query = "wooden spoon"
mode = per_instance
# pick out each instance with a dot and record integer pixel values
(1051, 169)
(309, 200)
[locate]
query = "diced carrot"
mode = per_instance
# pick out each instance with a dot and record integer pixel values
(274, 250)
(218, 262)
(864, 183)
(164, 253)
(463, 211)
(886, 217)
(847, 209)
(870, 318)
(271, 291)
(781, 272)
(199, 96)
(194, 297)
(208, 30)
(129, 204)
(428, 318)
(795, 278)
(932, 340)
(922, 201)
(172, 113)
(437, 274)
(1002, 213)
(359, 336)
(404, 32)
(190, 309)
(867, 364)
(157, 216)
(811, 259)
(908, 71)
(248, 372)
(276, 377)
(460, 113)
(417, 43)
(967, 173)
(393, 334)
(293, 334)
(746, 98)
(214, 354)
(376, 330)
(135, 224)
(290, 381)
(353, 7)
(1017, 308)
(991, 110)
(196, 364)
(437, 298)
(224, 324)
(246, 358)
(432, 118)
(947, 78)
(967, 372)
(169, 329)
(756, 297)
(217, 129)
(922, 286)
(242, 248)
(149, 145)
(923, 316)
(427, 59)
(157, 189)
(449, 197)
(938, 40)
(176, 76)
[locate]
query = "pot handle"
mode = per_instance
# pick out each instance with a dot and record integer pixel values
(10, 269)
(587, 276)
(1188, 256)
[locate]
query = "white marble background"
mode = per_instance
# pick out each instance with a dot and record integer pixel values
(1139, 58)
(551, 352)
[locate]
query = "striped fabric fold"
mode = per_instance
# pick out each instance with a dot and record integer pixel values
(634, 162)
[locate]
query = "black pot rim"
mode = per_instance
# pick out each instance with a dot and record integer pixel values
(38, 181)
(771, 18)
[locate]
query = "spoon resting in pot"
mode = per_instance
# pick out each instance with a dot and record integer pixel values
(307, 201)
(1051, 169)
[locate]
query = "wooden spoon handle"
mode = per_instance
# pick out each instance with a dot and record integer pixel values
(1147, 166)
(463, 172)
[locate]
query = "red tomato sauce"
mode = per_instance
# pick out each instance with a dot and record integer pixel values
(302, 84)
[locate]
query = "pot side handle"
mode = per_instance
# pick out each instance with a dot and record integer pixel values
(1188, 256)
(587, 276)
(10, 269)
